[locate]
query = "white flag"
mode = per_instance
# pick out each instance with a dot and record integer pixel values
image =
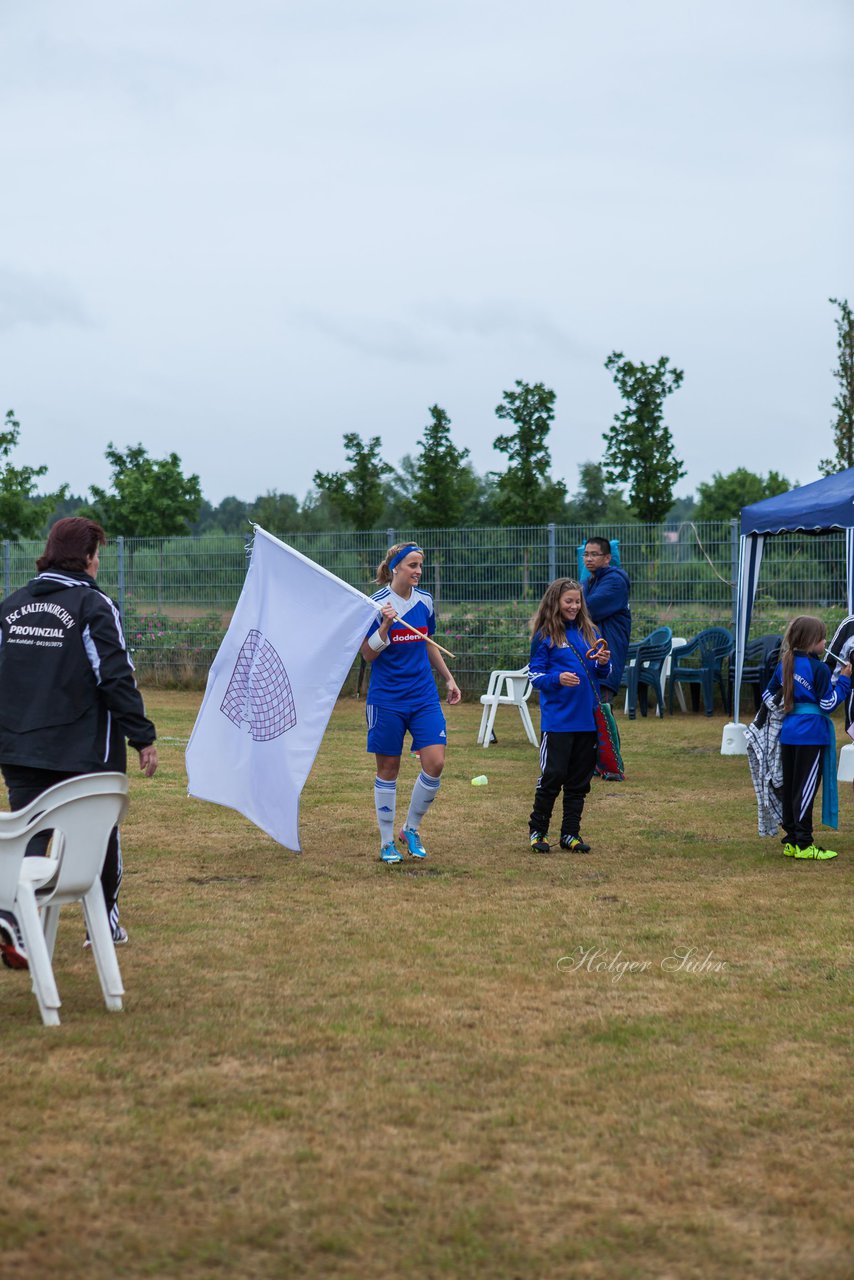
(272, 686)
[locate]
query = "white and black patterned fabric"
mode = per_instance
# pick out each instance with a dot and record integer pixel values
(765, 761)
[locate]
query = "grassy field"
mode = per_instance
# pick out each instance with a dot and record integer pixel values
(631, 1064)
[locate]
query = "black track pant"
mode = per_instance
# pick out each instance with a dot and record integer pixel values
(802, 768)
(567, 760)
(25, 784)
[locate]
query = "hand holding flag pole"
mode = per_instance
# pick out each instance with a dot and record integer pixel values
(422, 636)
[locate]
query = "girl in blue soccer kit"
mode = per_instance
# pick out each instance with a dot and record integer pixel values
(568, 660)
(402, 696)
(807, 735)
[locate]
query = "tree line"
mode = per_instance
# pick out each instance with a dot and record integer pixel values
(438, 486)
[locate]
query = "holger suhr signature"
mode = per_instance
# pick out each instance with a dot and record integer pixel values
(614, 963)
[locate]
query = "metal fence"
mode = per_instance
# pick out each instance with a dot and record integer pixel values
(177, 594)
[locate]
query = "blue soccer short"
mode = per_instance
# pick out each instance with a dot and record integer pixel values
(386, 728)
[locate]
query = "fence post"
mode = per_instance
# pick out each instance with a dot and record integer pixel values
(7, 566)
(733, 548)
(552, 555)
(389, 536)
(120, 554)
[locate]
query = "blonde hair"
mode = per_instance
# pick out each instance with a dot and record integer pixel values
(548, 619)
(384, 572)
(803, 634)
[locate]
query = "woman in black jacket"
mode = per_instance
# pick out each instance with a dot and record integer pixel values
(68, 698)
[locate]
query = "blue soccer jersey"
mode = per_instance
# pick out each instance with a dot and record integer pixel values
(401, 675)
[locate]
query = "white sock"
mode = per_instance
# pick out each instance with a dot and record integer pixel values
(385, 801)
(423, 795)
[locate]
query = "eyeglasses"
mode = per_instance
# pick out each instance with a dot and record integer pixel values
(594, 555)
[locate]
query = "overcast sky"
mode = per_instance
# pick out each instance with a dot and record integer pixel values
(237, 231)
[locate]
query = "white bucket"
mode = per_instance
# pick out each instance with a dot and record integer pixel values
(734, 742)
(845, 772)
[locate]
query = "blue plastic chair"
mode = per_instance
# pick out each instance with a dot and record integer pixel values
(699, 663)
(645, 664)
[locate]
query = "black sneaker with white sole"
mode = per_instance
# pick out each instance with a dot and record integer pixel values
(574, 844)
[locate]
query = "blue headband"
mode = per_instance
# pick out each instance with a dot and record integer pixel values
(410, 546)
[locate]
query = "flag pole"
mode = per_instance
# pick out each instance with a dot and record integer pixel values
(422, 636)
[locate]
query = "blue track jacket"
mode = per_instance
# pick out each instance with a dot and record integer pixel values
(812, 685)
(566, 708)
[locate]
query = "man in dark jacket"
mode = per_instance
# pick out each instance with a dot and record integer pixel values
(68, 698)
(606, 594)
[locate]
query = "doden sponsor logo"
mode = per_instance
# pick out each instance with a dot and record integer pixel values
(403, 637)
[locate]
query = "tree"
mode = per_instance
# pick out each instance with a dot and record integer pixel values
(724, 495)
(69, 504)
(525, 494)
(150, 498)
(843, 427)
(484, 513)
(231, 516)
(684, 508)
(358, 494)
(317, 514)
(23, 513)
(595, 503)
(276, 512)
(639, 445)
(441, 486)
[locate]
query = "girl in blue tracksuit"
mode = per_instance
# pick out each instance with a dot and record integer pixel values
(566, 673)
(807, 736)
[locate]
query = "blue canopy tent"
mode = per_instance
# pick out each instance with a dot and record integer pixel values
(820, 507)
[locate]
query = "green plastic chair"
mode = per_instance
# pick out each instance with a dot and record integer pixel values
(699, 663)
(645, 663)
(760, 659)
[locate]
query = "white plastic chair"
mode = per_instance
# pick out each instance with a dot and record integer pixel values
(677, 643)
(11, 862)
(506, 689)
(81, 812)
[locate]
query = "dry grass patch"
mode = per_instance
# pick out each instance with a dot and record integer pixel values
(328, 1067)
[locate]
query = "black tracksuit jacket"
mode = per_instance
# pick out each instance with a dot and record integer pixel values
(68, 698)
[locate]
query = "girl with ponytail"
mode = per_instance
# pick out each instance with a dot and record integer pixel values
(402, 696)
(807, 735)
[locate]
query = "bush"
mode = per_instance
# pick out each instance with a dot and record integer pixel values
(173, 653)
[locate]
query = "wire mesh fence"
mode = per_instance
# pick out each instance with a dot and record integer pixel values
(177, 595)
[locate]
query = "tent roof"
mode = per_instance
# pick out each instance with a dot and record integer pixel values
(813, 508)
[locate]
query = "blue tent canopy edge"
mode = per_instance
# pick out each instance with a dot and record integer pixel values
(813, 508)
(816, 508)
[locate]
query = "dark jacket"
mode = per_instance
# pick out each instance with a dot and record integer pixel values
(606, 594)
(68, 698)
